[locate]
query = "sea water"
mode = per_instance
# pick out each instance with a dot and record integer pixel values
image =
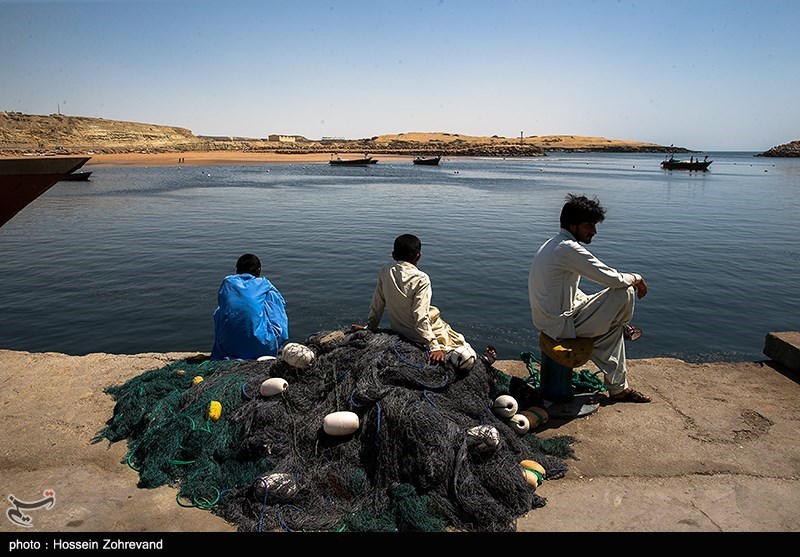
(130, 261)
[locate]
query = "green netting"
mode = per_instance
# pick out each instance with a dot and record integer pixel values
(407, 468)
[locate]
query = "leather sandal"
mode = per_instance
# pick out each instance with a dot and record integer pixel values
(629, 395)
(631, 333)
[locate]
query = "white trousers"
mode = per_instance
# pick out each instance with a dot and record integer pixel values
(602, 316)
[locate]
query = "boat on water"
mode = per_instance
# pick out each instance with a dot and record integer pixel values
(676, 164)
(428, 161)
(23, 179)
(76, 177)
(364, 161)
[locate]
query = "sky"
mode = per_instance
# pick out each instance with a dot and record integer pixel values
(711, 75)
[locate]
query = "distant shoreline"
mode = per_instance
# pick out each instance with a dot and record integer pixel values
(215, 158)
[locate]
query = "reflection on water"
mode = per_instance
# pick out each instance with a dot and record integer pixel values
(130, 261)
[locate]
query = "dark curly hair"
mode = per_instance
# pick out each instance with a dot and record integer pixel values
(579, 209)
(406, 248)
(248, 263)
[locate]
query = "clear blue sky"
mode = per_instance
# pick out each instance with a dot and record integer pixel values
(702, 74)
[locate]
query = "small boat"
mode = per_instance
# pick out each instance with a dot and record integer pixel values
(675, 164)
(352, 162)
(76, 177)
(24, 179)
(429, 161)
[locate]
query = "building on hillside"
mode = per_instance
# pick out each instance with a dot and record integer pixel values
(284, 138)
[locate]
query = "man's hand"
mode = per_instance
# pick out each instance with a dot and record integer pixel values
(641, 289)
(436, 357)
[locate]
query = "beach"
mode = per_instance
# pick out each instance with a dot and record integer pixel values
(216, 158)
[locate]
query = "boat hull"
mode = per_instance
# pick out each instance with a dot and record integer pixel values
(76, 177)
(685, 165)
(24, 179)
(427, 162)
(353, 162)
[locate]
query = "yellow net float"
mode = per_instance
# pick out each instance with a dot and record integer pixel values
(214, 410)
(533, 471)
(197, 379)
(180, 372)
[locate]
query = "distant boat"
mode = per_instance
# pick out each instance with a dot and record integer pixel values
(676, 164)
(352, 162)
(76, 177)
(23, 179)
(429, 161)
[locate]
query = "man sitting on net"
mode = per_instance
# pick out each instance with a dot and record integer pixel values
(405, 293)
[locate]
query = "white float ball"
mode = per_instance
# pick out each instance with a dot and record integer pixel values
(273, 386)
(520, 423)
(462, 358)
(296, 355)
(340, 423)
(505, 406)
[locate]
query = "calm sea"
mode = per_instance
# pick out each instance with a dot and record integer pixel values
(130, 261)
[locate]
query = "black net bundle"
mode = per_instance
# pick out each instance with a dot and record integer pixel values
(267, 464)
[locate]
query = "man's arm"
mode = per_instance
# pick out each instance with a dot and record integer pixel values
(587, 265)
(377, 306)
(421, 308)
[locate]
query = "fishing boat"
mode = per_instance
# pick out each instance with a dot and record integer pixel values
(364, 161)
(676, 164)
(76, 177)
(23, 179)
(428, 161)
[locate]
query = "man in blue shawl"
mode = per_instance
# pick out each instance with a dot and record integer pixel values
(250, 320)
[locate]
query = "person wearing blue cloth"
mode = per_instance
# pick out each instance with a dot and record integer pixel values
(250, 320)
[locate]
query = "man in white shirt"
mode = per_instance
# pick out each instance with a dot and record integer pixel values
(561, 311)
(405, 293)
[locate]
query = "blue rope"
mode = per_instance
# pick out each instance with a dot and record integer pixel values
(244, 393)
(342, 375)
(425, 395)
(354, 403)
(263, 505)
(280, 517)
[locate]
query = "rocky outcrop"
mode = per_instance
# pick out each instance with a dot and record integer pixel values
(76, 134)
(791, 149)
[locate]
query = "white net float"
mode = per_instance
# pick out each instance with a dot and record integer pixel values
(462, 358)
(340, 423)
(520, 423)
(296, 355)
(505, 406)
(273, 386)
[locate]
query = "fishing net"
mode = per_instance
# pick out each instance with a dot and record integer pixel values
(268, 464)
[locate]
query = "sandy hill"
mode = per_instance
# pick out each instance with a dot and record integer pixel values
(546, 142)
(21, 133)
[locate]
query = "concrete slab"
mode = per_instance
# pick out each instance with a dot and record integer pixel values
(784, 348)
(716, 451)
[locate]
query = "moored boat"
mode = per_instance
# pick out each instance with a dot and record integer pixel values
(352, 162)
(24, 179)
(429, 161)
(76, 177)
(677, 164)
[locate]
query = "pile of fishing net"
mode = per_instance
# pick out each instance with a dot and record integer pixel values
(267, 463)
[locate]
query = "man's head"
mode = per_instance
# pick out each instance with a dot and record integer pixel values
(580, 215)
(407, 247)
(250, 264)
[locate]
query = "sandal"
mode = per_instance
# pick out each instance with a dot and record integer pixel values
(631, 333)
(489, 355)
(629, 395)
